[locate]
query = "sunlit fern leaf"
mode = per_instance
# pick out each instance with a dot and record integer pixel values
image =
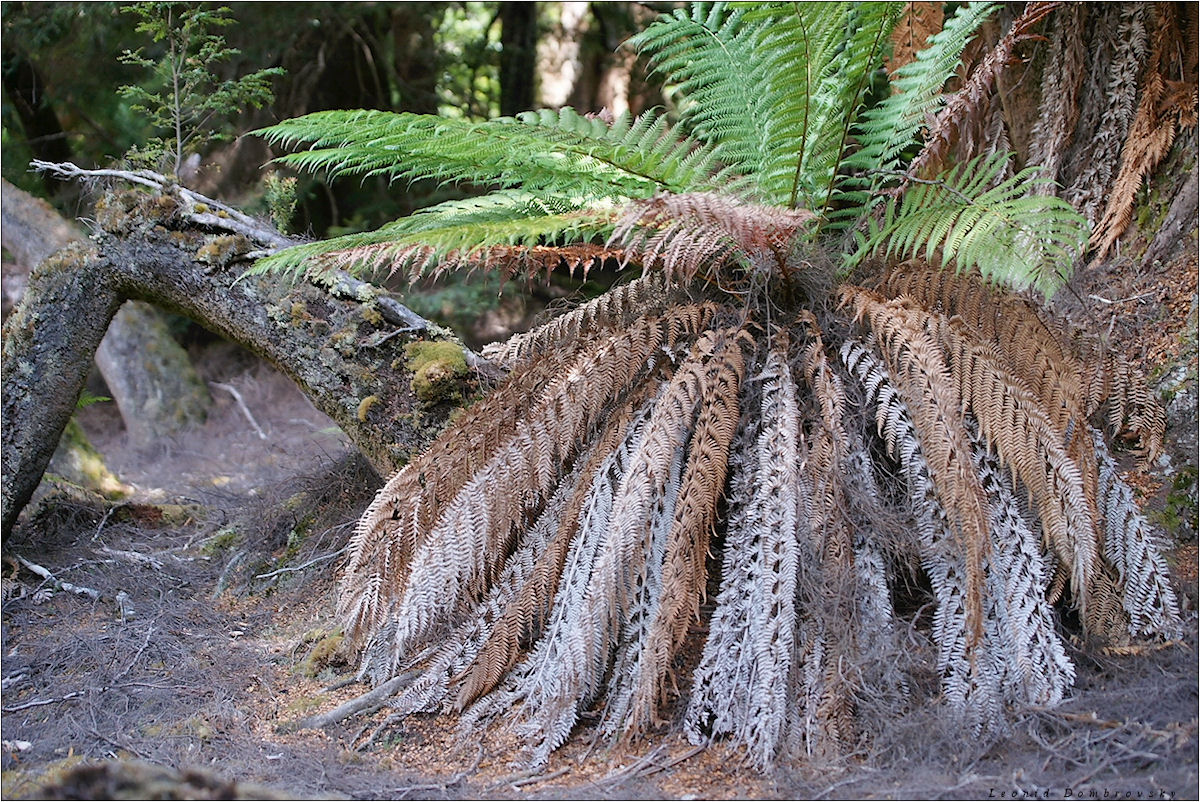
(886, 130)
(563, 153)
(708, 55)
(457, 232)
(1006, 233)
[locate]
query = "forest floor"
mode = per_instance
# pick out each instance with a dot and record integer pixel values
(213, 630)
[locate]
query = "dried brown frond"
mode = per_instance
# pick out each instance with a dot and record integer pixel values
(917, 364)
(406, 506)
(685, 234)
(1059, 108)
(912, 32)
(1117, 97)
(518, 442)
(1033, 347)
(829, 591)
(1117, 389)
(650, 294)
(965, 104)
(526, 613)
(1012, 423)
(1169, 102)
(684, 572)
(1071, 373)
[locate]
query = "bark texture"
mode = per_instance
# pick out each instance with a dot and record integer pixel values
(347, 354)
(149, 375)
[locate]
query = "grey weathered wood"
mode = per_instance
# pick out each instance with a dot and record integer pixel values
(148, 374)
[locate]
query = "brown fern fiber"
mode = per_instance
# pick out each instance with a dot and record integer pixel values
(966, 103)
(1012, 422)
(1070, 381)
(917, 364)
(526, 612)
(685, 234)
(684, 570)
(563, 404)
(1169, 100)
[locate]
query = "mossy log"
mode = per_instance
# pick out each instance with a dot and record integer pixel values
(148, 374)
(340, 343)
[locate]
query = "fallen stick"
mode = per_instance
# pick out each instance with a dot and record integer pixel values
(313, 561)
(44, 573)
(241, 402)
(370, 701)
(41, 702)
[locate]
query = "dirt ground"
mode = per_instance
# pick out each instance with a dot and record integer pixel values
(210, 627)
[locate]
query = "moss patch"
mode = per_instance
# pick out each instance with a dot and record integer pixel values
(220, 251)
(324, 653)
(438, 369)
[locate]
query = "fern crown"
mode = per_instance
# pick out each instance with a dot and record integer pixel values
(775, 108)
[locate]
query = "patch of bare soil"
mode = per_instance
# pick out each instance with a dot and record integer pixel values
(209, 629)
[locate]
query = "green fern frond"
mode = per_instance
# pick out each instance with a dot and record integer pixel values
(709, 55)
(561, 152)
(459, 227)
(821, 57)
(1010, 234)
(773, 89)
(885, 130)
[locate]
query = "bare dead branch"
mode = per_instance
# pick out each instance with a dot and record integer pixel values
(44, 573)
(241, 402)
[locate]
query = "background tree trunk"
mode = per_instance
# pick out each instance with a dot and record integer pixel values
(518, 56)
(347, 355)
(148, 374)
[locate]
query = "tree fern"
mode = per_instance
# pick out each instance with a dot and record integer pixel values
(559, 531)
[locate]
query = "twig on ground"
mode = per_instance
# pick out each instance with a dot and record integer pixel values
(107, 514)
(44, 573)
(543, 778)
(634, 769)
(403, 791)
(342, 683)
(42, 702)
(313, 561)
(138, 655)
(369, 701)
(241, 402)
(394, 718)
(12, 680)
(1104, 300)
(132, 556)
(96, 733)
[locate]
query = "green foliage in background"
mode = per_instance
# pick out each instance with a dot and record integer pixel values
(185, 98)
